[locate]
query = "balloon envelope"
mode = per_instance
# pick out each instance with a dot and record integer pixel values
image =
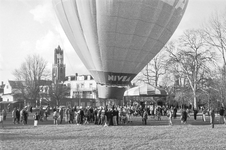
(115, 39)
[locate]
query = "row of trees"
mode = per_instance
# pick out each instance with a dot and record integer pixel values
(194, 64)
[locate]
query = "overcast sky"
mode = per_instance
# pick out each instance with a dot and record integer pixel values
(31, 26)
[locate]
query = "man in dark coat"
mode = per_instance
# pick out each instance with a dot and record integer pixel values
(18, 116)
(195, 113)
(82, 115)
(175, 112)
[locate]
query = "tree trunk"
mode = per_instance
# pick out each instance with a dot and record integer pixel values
(195, 100)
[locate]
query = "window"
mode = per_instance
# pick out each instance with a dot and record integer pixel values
(85, 77)
(82, 85)
(90, 85)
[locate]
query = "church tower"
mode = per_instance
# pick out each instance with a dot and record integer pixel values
(58, 72)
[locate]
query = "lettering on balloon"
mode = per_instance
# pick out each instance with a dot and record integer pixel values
(119, 78)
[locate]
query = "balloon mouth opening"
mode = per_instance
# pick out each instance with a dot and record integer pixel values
(110, 91)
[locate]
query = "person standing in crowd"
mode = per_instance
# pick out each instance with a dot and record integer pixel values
(91, 114)
(184, 116)
(114, 116)
(1, 119)
(78, 117)
(47, 112)
(117, 115)
(158, 113)
(41, 113)
(81, 115)
(67, 115)
(55, 117)
(61, 114)
(30, 109)
(25, 115)
(203, 114)
(36, 118)
(175, 112)
(72, 116)
(88, 114)
(14, 115)
(188, 112)
(212, 117)
(4, 113)
(145, 116)
(221, 112)
(128, 115)
(21, 116)
(195, 113)
(95, 112)
(106, 121)
(224, 116)
(18, 116)
(111, 116)
(102, 116)
(170, 116)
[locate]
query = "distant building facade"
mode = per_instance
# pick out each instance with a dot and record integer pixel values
(58, 69)
(83, 90)
(12, 95)
(44, 95)
(12, 91)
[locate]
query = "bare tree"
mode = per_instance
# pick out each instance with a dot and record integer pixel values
(153, 71)
(192, 58)
(57, 92)
(215, 35)
(31, 72)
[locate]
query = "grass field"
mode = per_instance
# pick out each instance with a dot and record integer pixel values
(156, 135)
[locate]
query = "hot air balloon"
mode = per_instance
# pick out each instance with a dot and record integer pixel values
(115, 39)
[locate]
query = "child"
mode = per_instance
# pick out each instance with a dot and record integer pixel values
(158, 113)
(55, 117)
(36, 118)
(86, 120)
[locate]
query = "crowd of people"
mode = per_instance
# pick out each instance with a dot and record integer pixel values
(19, 116)
(106, 116)
(110, 116)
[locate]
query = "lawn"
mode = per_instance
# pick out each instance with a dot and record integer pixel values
(155, 135)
